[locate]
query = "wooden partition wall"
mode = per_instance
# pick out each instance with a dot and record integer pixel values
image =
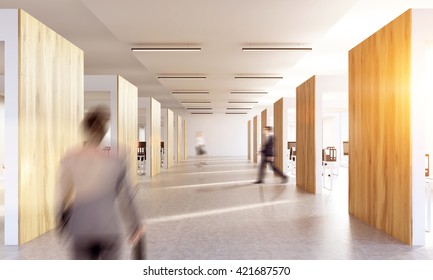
(184, 132)
(255, 145)
(50, 110)
(249, 139)
(179, 138)
(127, 123)
(305, 136)
(169, 145)
(380, 130)
(280, 145)
(264, 123)
(153, 137)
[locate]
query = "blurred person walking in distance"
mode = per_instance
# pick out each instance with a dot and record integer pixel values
(200, 147)
(93, 191)
(268, 157)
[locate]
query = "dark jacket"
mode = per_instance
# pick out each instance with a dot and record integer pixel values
(268, 148)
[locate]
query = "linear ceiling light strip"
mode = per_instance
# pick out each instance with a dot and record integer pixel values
(190, 92)
(195, 102)
(166, 49)
(232, 113)
(249, 92)
(243, 102)
(243, 108)
(198, 108)
(201, 113)
(181, 77)
(259, 77)
(275, 49)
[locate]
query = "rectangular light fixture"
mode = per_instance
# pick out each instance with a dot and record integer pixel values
(181, 77)
(275, 49)
(198, 108)
(190, 92)
(243, 102)
(259, 77)
(231, 108)
(195, 102)
(201, 113)
(235, 113)
(153, 49)
(248, 92)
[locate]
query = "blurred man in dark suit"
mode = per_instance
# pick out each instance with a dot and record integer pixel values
(268, 157)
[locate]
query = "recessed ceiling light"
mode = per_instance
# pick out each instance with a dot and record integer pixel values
(235, 113)
(182, 77)
(153, 49)
(195, 102)
(258, 77)
(249, 92)
(275, 49)
(243, 102)
(190, 92)
(201, 113)
(198, 108)
(231, 108)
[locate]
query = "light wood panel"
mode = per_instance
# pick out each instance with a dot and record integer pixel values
(379, 129)
(185, 149)
(127, 123)
(279, 147)
(169, 145)
(255, 145)
(50, 110)
(155, 137)
(249, 139)
(264, 123)
(179, 139)
(305, 136)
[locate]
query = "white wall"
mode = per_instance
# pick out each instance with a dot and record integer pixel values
(2, 133)
(331, 131)
(225, 135)
(428, 105)
(141, 134)
(9, 34)
(422, 20)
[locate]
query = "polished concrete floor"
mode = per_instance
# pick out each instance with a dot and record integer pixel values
(215, 212)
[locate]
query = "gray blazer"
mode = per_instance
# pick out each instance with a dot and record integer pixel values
(101, 194)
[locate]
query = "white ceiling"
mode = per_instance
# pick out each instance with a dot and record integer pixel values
(107, 30)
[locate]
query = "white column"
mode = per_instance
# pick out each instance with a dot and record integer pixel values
(9, 34)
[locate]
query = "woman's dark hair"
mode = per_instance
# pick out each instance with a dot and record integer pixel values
(95, 123)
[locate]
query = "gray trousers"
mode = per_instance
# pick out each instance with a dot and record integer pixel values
(85, 248)
(263, 167)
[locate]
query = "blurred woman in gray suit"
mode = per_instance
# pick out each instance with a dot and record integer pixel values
(93, 193)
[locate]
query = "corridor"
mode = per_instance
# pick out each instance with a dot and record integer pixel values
(215, 212)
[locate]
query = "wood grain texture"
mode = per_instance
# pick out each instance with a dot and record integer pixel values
(255, 144)
(155, 137)
(127, 123)
(380, 131)
(184, 132)
(179, 139)
(51, 97)
(279, 148)
(169, 145)
(264, 123)
(249, 139)
(305, 136)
